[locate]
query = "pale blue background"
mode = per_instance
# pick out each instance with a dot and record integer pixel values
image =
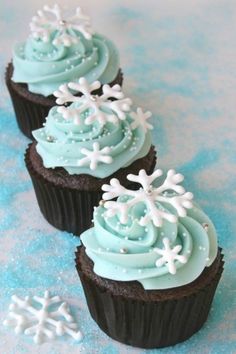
(179, 61)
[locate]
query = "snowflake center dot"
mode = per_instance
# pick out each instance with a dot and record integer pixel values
(93, 98)
(62, 23)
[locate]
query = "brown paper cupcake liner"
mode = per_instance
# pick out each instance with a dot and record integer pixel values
(148, 324)
(67, 209)
(32, 109)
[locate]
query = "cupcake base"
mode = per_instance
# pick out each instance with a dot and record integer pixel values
(31, 109)
(67, 201)
(148, 318)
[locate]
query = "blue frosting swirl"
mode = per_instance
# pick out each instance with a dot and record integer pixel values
(127, 252)
(60, 142)
(44, 66)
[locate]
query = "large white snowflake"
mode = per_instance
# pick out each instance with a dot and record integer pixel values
(151, 196)
(95, 156)
(51, 19)
(169, 256)
(100, 108)
(26, 317)
(140, 118)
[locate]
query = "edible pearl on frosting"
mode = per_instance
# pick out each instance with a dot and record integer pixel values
(50, 139)
(205, 226)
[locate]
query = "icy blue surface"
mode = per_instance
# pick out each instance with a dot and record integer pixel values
(178, 58)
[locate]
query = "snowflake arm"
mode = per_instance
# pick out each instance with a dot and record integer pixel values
(70, 113)
(169, 256)
(41, 323)
(84, 87)
(149, 195)
(95, 156)
(140, 118)
(64, 95)
(51, 19)
(144, 179)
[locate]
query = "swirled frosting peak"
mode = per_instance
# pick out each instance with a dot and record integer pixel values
(154, 235)
(61, 49)
(93, 135)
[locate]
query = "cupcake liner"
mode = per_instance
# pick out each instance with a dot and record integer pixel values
(67, 209)
(32, 109)
(148, 324)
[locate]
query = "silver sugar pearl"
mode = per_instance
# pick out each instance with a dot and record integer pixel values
(205, 226)
(62, 22)
(50, 138)
(101, 203)
(148, 191)
(93, 98)
(123, 250)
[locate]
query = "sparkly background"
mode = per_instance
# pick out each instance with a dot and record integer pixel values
(179, 61)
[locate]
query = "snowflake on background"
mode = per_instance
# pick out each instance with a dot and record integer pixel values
(101, 108)
(169, 256)
(95, 156)
(51, 19)
(42, 323)
(140, 119)
(149, 195)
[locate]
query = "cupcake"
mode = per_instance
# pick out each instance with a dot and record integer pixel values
(150, 265)
(81, 147)
(58, 50)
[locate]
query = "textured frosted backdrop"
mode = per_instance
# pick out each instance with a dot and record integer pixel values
(178, 58)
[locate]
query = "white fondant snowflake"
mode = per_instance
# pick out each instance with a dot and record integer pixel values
(151, 196)
(51, 19)
(140, 118)
(43, 323)
(169, 256)
(101, 109)
(95, 156)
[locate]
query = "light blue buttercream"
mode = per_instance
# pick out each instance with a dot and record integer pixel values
(104, 241)
(44, 67)
(126, 145)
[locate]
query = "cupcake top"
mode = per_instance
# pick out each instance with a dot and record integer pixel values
(154, 235)
(94, 135)
(61, 49)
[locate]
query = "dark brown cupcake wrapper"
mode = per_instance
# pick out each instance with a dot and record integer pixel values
(67, 209)
(32, 109)
(148, 324)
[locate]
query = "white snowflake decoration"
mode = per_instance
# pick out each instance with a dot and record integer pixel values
(140, 118)
(169, 256)
(42, 323)
(150, 196)
(95, 156)
(101, 108)
(51, 19)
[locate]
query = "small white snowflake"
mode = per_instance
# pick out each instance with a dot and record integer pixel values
(169, 256)
(95, 156)
(42, 323)
(101, 108)
(151, 196)
(140, 119)
(51, 19)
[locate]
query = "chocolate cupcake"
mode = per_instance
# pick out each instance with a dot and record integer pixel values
(59, 50)
(81, 147)
(150, 265)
